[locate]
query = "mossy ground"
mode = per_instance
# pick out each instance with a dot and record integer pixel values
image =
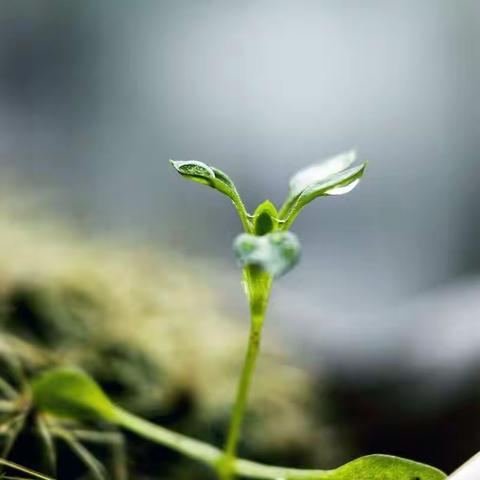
(154, 337)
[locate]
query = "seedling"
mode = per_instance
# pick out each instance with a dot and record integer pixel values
(266, 250)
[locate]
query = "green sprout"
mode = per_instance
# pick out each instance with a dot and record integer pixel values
(266, 250)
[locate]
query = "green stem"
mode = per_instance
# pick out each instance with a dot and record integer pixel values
(208, 454)
(242, 213)
(258, 288)
(189, 447)
(241, 400)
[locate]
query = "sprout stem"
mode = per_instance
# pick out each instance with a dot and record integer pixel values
(239, 408)
(242, 213)
(258, 285)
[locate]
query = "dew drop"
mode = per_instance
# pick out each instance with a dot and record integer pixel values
(344, 189)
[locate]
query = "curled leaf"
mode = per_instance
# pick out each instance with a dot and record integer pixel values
(71, 393)
(215, 178)
(319, 172)
(276, 253)
(206, 175)
(334, 176)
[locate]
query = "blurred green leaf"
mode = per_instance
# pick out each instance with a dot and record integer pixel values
(276, 253)
(385, 467)
(376, 467)
(71, 393)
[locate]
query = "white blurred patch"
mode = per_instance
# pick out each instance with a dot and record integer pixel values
(468, 471)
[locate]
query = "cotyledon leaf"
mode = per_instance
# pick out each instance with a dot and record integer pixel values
(205, 174)
(334, 176)
(320, 171)
(71, 393)
(370, 467)
(213, 177)
(276, 252)
(384, 467)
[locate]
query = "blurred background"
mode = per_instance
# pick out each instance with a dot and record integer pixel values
(95, 97)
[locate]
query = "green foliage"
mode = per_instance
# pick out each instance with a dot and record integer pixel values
(131, 306)
(320, 171)
(278, 255)
(71, 393)
(215, 178)
(206, 175)
(265, 218)
(334, 176)
(370, 467)
(266, 251)
(383, 467)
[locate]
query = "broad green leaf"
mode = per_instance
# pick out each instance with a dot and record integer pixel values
(265, 218)
(332, 177)
(206, 175)
(319, 172)
(384, 467)
(71, 393)
(338, 184)
(276, 253)
(370, 467)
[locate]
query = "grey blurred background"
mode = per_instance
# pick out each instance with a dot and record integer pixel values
(95, 97)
